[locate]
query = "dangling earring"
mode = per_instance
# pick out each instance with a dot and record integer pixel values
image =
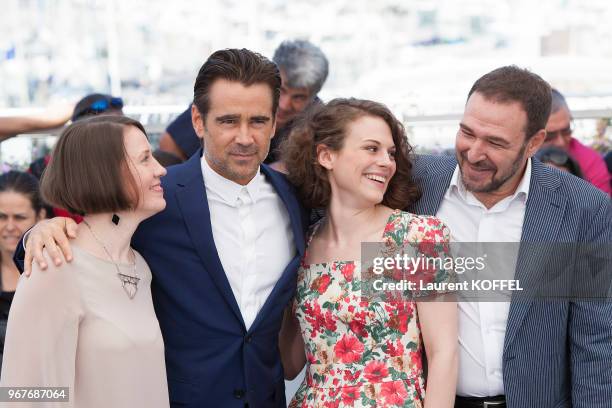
(115, 219)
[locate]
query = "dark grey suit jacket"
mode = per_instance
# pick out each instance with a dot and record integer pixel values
(556, 353)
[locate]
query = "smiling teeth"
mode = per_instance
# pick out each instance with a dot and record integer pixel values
(380, 179)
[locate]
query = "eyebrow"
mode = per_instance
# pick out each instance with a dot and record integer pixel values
(378, 143)
(490, 138)
(260, 117)
(466, 128)
(18, 214)
(227, 117)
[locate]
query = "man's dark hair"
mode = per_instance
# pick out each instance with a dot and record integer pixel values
(237, 65)
(88, 172)
(513, 84)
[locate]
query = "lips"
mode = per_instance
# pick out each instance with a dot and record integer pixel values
(376, 177)
(157, 188)
(480, 169)
(379, 180)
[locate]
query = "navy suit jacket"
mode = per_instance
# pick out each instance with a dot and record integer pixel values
(212, 360)
(556, 353)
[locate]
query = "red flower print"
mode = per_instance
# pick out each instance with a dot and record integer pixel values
(318, 320)
(417, 361)
(433, 221)
(399, 322)
(427, 248)
(321, 283)
(394, 393)
(347, 271)
(376, 371)
(350, 395)
(351, 377)
(394, 350)
(357, 326)
(348, 349)
(311, 358)
(333, 391)
(331, 404)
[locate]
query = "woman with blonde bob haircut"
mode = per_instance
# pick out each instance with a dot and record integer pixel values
(351, 157)
(90, 325)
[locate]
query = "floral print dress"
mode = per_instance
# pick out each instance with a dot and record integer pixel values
(362, 353)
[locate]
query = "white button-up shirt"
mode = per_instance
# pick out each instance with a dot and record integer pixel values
(252, 232)
(482, 325)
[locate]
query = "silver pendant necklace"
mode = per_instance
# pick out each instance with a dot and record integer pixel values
(128, 282)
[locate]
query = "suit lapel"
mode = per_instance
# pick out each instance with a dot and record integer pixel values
(543, 217)
(433, 175)
(295, 215)
(291, 204)
(193, 203)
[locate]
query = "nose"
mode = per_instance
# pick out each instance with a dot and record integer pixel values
(244, 136)
(476, 152)
(10, 224)
(160, 171)
(558, 142)
(384, 159)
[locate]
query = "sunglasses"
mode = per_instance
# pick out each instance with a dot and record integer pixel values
(100, 106)
(565, 132)
(104, 104)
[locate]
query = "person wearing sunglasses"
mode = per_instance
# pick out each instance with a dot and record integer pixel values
(559, 133)
(96, 104)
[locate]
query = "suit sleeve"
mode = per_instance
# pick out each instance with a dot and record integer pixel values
(19, 254)
(41, 339)
(590, 327)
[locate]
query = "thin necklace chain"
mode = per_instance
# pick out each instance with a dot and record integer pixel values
(109, 255)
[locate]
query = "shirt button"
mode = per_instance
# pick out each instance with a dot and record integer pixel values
(248, 339)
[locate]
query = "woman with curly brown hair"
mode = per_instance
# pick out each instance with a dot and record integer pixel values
(351, 157)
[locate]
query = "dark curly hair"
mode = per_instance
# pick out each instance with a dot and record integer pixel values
(326, 124)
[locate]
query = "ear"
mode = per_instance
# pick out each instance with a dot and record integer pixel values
(197, 120)
(325, 156)
(536, 141)
(273, 126)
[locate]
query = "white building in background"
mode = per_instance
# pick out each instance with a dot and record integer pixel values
(419, 57)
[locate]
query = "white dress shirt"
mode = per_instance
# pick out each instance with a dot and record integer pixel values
(482, 325)
(252, 233)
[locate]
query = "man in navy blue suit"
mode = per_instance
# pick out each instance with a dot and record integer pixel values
(225, 251)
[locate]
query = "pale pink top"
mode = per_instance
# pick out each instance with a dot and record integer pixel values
(74, 326)
(592, 165)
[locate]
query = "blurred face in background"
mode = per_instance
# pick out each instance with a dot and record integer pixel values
(559, 129)
(292, 101)
(16, 216)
